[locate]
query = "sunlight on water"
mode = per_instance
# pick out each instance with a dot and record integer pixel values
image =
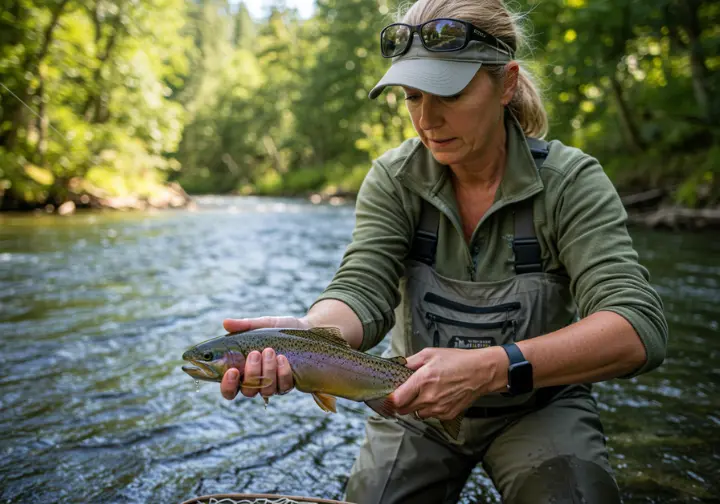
(97, 310)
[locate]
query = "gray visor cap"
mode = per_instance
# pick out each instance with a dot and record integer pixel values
(439, 73)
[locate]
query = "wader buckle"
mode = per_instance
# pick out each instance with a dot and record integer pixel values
(424, 247)
(527, 255)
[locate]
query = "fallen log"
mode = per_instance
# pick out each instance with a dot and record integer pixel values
(643, 199)
(678, 218)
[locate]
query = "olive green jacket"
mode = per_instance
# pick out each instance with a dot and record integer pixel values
(579, 220)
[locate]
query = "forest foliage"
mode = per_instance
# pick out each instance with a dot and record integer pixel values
(117, 97)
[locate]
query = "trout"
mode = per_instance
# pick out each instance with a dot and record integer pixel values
(322, 362)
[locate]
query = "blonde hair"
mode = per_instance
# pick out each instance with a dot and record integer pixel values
(493, 17)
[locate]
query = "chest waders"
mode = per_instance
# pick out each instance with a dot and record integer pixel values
(543, 446)
(448, 313)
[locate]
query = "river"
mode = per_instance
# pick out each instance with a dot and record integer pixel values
(97, 308)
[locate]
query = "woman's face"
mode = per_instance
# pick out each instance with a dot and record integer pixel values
(457, 129)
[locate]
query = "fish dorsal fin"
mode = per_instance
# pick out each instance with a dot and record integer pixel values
(330, 335)
(398, 360)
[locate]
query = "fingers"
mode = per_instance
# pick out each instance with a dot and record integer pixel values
(284, 373)
(266, 373)
(269, 370)
(416, 361)
(229, 385)
(236, 325)
(253, 372)
(246, 324)
(404, 396)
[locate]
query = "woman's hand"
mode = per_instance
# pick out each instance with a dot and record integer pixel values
(258, 365)
(448, 380)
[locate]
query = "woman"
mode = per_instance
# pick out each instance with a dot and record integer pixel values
(509, 263)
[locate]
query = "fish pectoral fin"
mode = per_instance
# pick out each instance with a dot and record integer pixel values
(258, 383)
(452, 427)
(398, 360)
(383, 406)
(325, 401)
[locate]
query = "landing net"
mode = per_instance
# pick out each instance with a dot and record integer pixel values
(281, 500)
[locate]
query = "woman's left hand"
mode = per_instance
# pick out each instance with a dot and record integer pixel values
(448, 380)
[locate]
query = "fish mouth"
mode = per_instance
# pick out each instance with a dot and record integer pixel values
(201, 371)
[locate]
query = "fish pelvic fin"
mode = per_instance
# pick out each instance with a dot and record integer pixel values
(452, 427)
(383, 406)
(325, 401)
(330, 335)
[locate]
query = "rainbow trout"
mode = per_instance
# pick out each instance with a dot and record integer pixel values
(322, 362)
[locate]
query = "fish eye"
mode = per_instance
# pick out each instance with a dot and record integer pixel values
(208, 356)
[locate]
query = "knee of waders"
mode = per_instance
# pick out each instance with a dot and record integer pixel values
(565, 480)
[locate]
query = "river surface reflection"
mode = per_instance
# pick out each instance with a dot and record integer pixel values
(97, 308)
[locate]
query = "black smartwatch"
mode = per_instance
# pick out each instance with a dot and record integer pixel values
(520, 372)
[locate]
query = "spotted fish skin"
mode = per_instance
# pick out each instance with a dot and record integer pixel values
(322, 362)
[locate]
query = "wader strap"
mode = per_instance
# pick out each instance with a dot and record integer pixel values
(425, 241)
(525, 244)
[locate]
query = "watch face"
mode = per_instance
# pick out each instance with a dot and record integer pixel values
(520, 377)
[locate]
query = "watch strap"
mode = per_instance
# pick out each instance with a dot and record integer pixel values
(513, 353)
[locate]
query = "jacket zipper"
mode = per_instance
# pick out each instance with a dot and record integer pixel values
(433, 298)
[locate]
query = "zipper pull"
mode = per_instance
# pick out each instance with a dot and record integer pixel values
(432, 323)
(512, 323)
(505, 324)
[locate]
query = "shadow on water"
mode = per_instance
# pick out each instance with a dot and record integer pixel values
(97, 309)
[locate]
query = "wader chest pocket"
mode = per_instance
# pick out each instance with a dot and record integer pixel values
(459, 332)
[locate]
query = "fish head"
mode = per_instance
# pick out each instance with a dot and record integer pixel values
(211, 359)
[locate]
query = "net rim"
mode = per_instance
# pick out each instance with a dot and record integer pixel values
(237, 496)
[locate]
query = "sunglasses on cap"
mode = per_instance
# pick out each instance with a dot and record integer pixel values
(436, 35)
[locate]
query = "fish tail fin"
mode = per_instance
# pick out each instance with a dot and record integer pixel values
(325, 401)
(452, 427)
(383, 406)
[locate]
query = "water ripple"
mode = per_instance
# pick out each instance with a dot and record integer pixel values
(97, 309)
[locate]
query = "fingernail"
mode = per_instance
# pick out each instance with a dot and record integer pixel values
(269, 355)
(233, 375)
(254, 358)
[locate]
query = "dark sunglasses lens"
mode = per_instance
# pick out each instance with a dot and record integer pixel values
(394, 40)
(443, 35)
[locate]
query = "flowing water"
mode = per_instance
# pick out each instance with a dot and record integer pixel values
(97, 308)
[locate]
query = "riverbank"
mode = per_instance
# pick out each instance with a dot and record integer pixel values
(158, 196)
(653, 208)
(673, 191)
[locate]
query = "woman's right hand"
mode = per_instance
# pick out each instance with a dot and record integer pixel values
(258, 365)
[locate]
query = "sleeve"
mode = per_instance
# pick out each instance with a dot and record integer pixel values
(368, 276)
(597, 252)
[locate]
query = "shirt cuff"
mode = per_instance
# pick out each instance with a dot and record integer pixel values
(649, 335)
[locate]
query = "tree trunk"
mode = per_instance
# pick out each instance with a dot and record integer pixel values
(95, 109)
(32, 65)
(632, 135)
(43, 123)
(697, 61)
